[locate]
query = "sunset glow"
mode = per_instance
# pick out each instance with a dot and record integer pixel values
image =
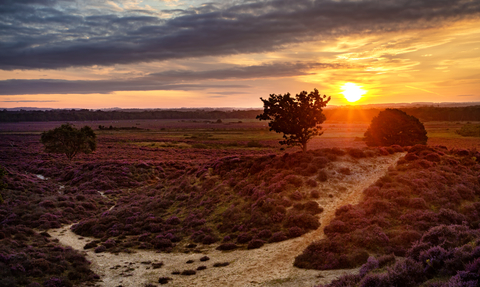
(167, 54)
(352, 92)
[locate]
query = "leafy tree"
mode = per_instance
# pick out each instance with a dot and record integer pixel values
(393, 126)
(69, 140)
(296, 117)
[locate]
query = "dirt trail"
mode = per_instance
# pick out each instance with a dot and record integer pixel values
(271, 265)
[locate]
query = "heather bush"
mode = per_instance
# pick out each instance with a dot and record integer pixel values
(302, 220)
(295, 231)
(227, 246)
(315, 194)
(313, 207)
(371, 264)
(188, 272)
(244, 238)
(356, 153)
(255, 243)
(421, 204)
(322, 176)
(278, 236)
(386, 260)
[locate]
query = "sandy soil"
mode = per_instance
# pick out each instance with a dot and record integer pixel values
(271, 265)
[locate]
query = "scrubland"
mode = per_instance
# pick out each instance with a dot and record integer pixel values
(154, 197)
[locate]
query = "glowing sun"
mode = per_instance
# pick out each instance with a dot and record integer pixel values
(352, 92)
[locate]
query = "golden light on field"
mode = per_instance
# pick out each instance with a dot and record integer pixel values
(352, 92)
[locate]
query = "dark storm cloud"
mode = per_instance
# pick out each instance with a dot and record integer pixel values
(168, 80)
(40, 34)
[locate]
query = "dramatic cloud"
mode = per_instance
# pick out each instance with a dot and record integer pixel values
(168, 80)
(49, 34)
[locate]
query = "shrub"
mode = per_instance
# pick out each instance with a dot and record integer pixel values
(311, 183)
(345, 171)
(386, 260)
(188, 272)
(221, 264)
(244, 238)
(313, 207)
(315, 194)
(371, 264)
(164, 280)
(227, 246)
(322, 176)
(295, 231)
(303, 220)
(207, 240)
(100, 249)
(395, 127)
(204, 258)
(296, 195)
(294, 180)
(265, 234)
(278, 236)
(255, 243)
(356, 153)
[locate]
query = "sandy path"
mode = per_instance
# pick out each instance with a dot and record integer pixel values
(271, 265)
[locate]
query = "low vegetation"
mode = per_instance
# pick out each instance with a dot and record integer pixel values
(422, 215)
(426, 209)
(469, 130)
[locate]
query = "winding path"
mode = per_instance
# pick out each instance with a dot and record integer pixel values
(271, 265)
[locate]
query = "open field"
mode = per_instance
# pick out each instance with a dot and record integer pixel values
(171, 191)
(236, 133)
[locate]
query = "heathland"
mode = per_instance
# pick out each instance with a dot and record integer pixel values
(204, 202)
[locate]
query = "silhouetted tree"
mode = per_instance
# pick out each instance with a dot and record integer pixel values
(393, 126)
(69, 140)
(298, 117)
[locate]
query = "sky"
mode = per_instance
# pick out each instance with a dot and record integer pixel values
(187, 53)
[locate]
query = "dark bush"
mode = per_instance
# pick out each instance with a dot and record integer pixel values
(244, 238)
(356, 153)
(100, 249)
(188, 272)
(322, 176)
(265, 234)
(295, 231)
(204, 258)
(303, 220)
(395, 127)
(313, 207)
(255, 243)
(386, 260)
(227, 246)
(278, 236)
(221, 264)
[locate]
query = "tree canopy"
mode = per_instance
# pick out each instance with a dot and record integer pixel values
(298, 117)
(393, 126)
(69, 140)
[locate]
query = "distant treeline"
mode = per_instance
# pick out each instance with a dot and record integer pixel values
(470, 113)
(97, 115)
(424, 114)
